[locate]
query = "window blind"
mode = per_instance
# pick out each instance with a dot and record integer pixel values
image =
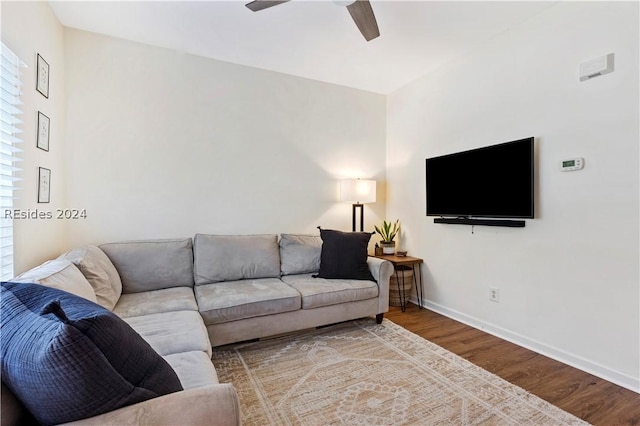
(10, 104)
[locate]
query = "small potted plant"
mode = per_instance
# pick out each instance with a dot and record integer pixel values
(388, 231)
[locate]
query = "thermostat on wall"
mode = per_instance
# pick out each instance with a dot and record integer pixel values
(596, 67)
(572, 164)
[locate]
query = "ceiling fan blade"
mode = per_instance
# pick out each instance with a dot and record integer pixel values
(257, 5)
(363, 16)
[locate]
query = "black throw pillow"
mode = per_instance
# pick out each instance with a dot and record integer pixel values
(67, 358)
(344, 255)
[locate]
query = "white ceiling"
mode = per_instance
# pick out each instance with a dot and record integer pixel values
(312, 39)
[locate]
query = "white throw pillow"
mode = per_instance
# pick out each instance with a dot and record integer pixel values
(99, 271)
(60, 274)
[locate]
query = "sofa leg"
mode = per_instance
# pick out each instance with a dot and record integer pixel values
(379, 318)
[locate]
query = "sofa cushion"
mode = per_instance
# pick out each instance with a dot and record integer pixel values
(194, 368)
(12, 411)
(67, 358)
(299, 254)
(60, 274)
(152, 264)
(344, 255)
(235, 300)
(99, 271)
(235, 257)
(317, 292)
(173, 332)
(155, 302)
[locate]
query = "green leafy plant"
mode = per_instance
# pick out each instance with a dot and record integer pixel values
(388, 230)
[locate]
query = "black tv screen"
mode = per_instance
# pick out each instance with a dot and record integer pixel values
(493, 181)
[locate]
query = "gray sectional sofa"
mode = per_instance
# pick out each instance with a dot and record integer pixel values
(184, 296)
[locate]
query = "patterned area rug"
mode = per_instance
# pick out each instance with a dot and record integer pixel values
(362, 373)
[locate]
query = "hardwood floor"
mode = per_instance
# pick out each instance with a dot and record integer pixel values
(586, 396)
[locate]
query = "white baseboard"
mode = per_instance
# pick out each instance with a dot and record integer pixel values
(598, 370)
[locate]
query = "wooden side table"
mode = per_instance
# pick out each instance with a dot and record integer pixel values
(409, 262)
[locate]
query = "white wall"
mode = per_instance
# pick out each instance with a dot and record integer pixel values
(569, 282)
(163, 144)
(29, 28)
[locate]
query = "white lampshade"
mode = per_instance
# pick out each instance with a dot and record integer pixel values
(358, 190)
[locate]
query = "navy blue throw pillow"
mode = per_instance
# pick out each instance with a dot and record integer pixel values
(67, 358)
(344, 255)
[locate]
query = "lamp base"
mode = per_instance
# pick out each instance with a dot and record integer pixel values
(353, 220)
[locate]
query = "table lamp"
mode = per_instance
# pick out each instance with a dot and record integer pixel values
(359, 191)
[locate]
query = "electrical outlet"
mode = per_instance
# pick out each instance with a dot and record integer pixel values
(494, 294)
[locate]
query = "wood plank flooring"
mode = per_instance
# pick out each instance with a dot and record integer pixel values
(586, 396)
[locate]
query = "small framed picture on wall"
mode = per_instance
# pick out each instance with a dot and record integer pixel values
(42, 77)
(42, 140)
(44, 185)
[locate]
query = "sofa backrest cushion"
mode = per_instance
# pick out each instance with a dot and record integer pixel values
(66, 358)
(299, 254)
(60, 274)
(152, 264)
(235, 257)
(99, 271)
(344, 255)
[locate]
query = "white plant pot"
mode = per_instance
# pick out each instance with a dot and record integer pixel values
(388, 248)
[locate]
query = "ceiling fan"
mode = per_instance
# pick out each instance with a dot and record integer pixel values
(360, 11)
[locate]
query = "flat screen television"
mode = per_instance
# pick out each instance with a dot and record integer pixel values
(490, 182)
